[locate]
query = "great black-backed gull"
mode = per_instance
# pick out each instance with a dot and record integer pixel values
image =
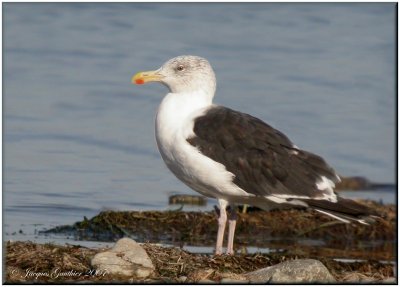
(234, 157)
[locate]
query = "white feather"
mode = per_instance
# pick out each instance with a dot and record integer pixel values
(334, 216)
(326, 185)
(295, 151)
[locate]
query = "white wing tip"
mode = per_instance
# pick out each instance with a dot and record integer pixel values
(325, 183)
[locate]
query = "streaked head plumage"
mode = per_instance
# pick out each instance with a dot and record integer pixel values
(182, 74)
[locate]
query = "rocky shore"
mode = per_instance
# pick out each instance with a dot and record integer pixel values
(369, 251)
(130, 262)
(291, 230)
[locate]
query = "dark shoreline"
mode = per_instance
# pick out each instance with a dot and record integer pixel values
(280, 229)
(370, 250)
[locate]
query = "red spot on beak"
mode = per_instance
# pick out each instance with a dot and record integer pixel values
(139, 81)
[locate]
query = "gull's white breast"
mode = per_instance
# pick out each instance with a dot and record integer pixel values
(174, 125)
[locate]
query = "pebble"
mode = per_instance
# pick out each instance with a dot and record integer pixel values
(182, 279)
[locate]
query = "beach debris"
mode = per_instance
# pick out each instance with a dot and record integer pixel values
(286, 229)
(232, 278)
(200, 275)
(172, 265)
(188, 199)
(357, 277)
(126, 258)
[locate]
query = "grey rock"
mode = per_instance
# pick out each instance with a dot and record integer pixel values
(126, 258)
(293, 271)
(390, 280)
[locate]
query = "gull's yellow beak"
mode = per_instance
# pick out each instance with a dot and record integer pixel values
(144, 77)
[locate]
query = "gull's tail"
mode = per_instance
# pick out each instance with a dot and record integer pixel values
(345, 210)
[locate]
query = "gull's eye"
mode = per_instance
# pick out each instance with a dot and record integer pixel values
(180, 68)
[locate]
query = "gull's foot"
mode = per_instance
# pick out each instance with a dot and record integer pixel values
(218, 252)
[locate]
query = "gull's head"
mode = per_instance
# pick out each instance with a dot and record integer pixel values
(182, 74)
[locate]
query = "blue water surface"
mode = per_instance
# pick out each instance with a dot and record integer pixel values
(78, 137)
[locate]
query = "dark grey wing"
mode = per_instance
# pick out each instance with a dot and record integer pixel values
(263, 160)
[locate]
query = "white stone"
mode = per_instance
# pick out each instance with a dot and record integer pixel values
(126, 258)
(293, 271)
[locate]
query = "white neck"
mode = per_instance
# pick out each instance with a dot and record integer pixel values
(178, 106)
(176, 112)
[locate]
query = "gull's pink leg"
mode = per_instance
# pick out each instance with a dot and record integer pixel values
(221, 226)
(232, 226)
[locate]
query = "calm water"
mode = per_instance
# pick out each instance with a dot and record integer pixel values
(79, 138)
